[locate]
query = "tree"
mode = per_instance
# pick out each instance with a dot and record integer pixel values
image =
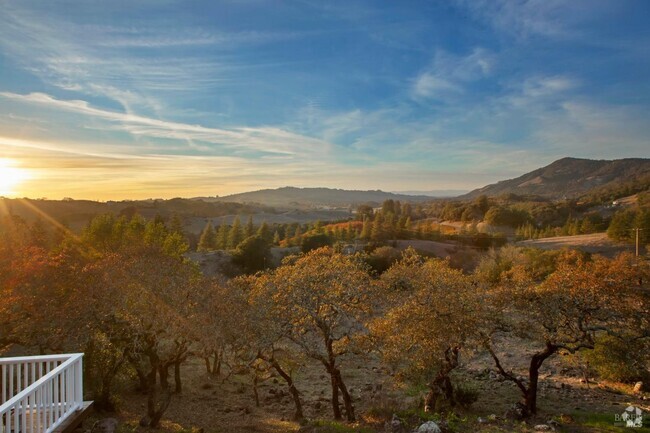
(266, 335)
(222, 237)
(388, 207)
(580, 300)
(431, 312)
(264, 231)
(377, 232)
(235, 234)
(323, 297)
(152, 297)
(620, 228)
(366, 229)
(315, 241)
(248, 231)
(252, 254)
(364, 212)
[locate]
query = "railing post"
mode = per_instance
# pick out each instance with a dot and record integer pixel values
(79, 398)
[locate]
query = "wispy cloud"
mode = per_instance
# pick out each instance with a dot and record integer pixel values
(269, 140)
(524, 18)
(448, 73)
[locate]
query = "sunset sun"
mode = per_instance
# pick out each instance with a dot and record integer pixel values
(10, 176)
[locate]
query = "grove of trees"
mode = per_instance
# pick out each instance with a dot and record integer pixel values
(124, 293)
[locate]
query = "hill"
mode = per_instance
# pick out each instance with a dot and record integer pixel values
(572, 178)
(297, 198)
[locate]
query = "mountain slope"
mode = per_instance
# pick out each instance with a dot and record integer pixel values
(314, 197)
(570, 178)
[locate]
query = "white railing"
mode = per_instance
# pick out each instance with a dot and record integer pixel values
(39, 392)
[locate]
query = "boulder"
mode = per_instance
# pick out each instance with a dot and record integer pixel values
(542, 427)
(638, 388)
(395, 426)
(429, 427)
(106, 425)
(517, 411)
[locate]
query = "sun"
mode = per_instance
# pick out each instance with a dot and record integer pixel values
(10, 176)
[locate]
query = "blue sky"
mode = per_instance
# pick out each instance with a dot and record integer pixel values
(162, 98)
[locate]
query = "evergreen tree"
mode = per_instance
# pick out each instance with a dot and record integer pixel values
(248, 231)
(276, 238)
(366, 230)
(222, 237)
(175, 224)
(207, 239)
(377, 230)
(620, 228)
(235, 236)
(264, 231)
(297, 236)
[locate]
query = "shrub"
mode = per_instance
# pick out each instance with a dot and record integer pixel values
(618, 360)
(465, 394)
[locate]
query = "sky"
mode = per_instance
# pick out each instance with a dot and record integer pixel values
(137, 99)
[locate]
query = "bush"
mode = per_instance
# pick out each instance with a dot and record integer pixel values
(315, 241)
(618, 360)
(465, 394)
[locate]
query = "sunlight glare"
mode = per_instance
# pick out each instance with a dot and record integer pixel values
(10, 176)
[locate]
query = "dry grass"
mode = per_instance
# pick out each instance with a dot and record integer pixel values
(215, 406)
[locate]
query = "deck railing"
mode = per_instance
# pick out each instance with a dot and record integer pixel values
(39, 392)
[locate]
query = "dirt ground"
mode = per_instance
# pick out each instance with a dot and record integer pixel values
(595, 243)
(213, 405)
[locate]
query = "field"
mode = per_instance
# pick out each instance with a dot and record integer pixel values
(595, 243)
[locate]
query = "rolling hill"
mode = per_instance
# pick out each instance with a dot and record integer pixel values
(571, 178)
(297, 198)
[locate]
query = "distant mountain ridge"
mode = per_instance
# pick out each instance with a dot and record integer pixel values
(318, 197)
(570, 178)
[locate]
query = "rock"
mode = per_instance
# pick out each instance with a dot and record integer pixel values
(396, 425)
(429, 427)
(542, 427)
(492, 417)
(482, 420)
(517, 411)
(638, 388)
(554, 424)
(106, 425)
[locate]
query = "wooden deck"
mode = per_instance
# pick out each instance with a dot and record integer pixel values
(75, 419)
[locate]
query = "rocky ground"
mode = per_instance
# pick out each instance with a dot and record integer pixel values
(566, 402)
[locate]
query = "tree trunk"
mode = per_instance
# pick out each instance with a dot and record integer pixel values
(177, 377)
(143, 379)
(255, 391)
(207, 364)
(530, 396)
(292, 389)
(335, 397)
(441, 385)
(163, 371)
(157, 401)
(216, 365)
(347, 399)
